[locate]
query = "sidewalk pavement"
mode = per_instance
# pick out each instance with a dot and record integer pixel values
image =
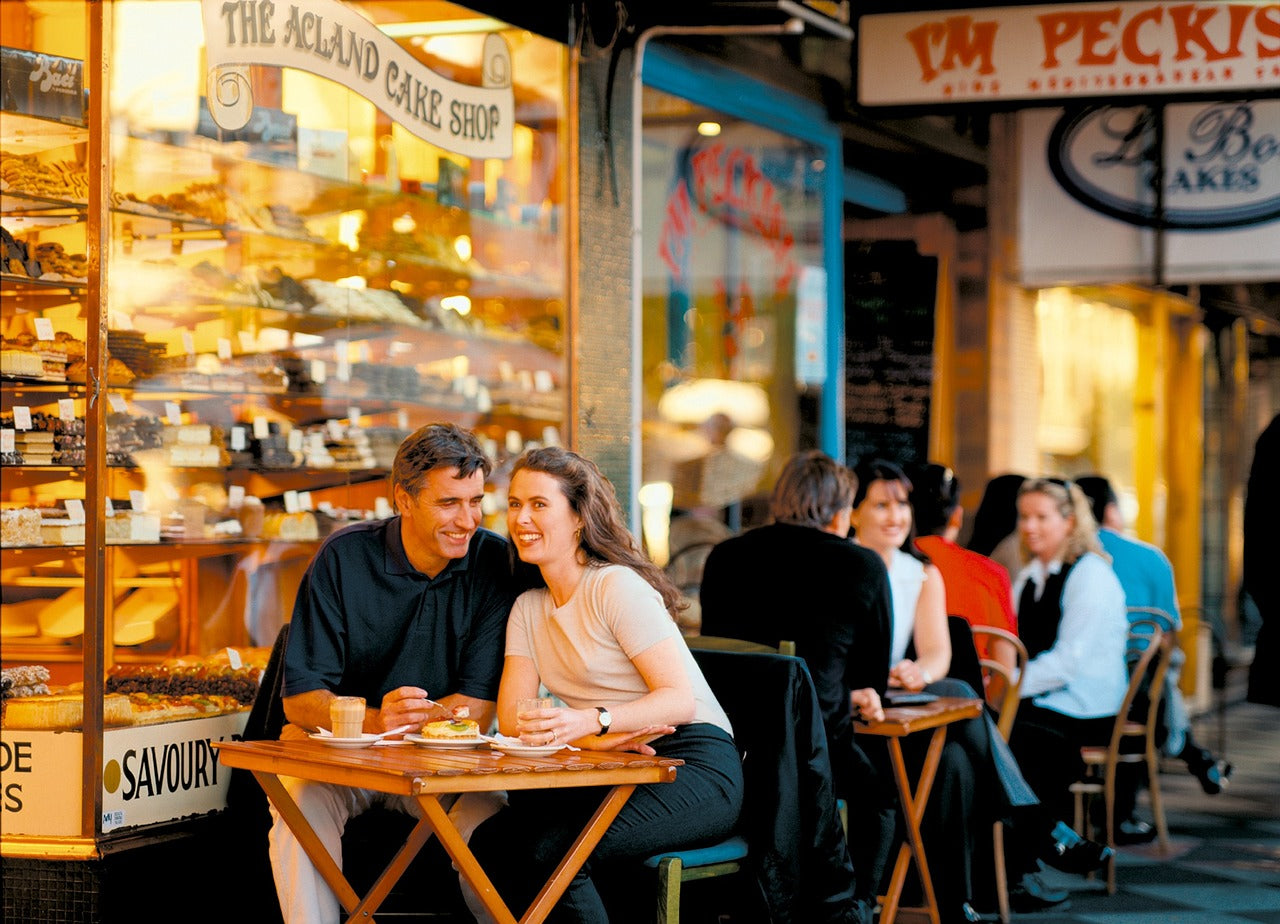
(1223, 865)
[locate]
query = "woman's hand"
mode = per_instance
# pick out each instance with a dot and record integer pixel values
(557, 725)
(909, 675)
(637, 741)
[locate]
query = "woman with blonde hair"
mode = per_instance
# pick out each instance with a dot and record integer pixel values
(1071, 617)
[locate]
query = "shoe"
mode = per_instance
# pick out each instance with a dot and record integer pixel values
(1030, 894)
(1134, 830)
(1071, 853)
(1213, 777)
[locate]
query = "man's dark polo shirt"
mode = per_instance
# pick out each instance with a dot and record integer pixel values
(366, 621)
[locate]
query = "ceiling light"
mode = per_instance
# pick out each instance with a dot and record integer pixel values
(708, 129)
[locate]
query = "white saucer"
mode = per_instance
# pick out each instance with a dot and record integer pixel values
(525, 750)
(368, 739)
(445, 744)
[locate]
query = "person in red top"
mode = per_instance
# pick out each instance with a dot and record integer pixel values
(977, 588)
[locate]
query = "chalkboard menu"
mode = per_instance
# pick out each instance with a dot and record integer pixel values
(888, 350)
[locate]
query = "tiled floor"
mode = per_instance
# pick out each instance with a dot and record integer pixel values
(1223, 866)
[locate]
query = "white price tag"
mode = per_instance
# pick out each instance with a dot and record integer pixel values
(506, 371)
(343, 371)
(138, 501)
(325, 507)
(484, 400)
(173, 412)
(260, 428)
(381, 508)
(188, 343)
(116, 402)
(353, 415)
(237, 439)
(44, 329)
(318, 371)
(294, 440)
(235, 497)
(315, 442)
(525, 378)
(22, 417)
(233, 659)
(66, 409)
(336, 430)
(290, 501)
(224, 348)
(542, 381)
(304, 500)
(402, 419)
(75, 509)
(550, 436)
(515, 442)
(110, 507)
(246, 341)
(8, 441)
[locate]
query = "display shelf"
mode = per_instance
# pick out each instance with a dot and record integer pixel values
(27, 134)
(74, 286)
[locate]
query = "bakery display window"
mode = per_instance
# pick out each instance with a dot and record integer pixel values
(219, 321)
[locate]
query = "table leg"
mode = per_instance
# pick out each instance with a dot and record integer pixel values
(913, 806)
(325, 865)
(578, 853)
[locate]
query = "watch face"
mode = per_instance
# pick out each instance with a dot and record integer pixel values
(605, 720)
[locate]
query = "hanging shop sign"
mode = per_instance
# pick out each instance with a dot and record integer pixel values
(1087, 193)
(42, 85)
(328, 38)
(1067, 50)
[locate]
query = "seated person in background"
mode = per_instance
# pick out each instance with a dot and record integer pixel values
(1147, 578)
(602, 638)
(800, 578)
(977, 589)
(973, 785)
(395, 610)
(1071, 617)
(995, 523)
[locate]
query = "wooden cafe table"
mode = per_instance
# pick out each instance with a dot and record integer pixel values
(428, 774)
(899, 722)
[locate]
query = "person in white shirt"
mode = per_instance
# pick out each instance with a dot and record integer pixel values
(1071, 617)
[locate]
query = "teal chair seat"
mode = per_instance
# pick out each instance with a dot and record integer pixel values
(678, 866)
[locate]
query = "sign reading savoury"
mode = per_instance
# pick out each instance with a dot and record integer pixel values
(888, 322)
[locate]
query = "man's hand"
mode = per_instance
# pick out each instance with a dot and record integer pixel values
(409, 706)
(866, 705)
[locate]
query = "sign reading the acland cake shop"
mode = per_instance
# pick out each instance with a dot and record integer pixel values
(330, 39)
(1067, 50)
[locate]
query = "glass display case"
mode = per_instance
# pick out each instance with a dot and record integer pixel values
(216, 330)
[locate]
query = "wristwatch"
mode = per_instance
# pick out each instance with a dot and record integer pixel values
(605, 720)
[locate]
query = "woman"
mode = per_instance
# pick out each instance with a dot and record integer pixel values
(1071, 617)
(995, 523)
(882, 522)
(602, 638)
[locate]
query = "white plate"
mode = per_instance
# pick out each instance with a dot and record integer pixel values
(368, 739)
(445, 743)
(526, 750)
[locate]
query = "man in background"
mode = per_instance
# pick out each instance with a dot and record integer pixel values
(1146, 575)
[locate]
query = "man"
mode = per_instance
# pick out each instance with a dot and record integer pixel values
(1147, 578)
(800, 578)
(1261, 552)
(395, 611)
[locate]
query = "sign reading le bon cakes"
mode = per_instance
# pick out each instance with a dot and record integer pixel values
(329, 39)
(1067, 50)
